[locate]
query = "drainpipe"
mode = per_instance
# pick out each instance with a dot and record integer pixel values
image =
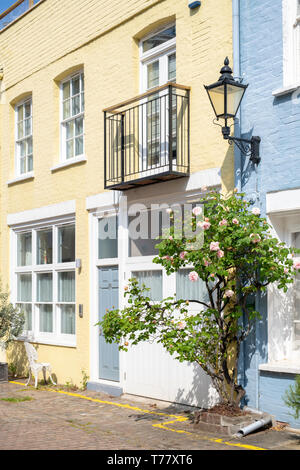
(267, 420)
(237, 127)
(236, 71)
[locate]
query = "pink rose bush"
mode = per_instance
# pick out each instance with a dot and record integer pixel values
(237, 258)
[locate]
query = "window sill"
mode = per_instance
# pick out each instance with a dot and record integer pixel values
(286, 90)
(20, 179)
(51, 342)
(68, 163)
(285, 367)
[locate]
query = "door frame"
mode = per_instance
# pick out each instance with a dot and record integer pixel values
(108, 208)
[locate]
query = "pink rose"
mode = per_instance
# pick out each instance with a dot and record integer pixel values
(170, 238)
(214, 246)
(181, 325)
(183, 254)
(193, 276)
(204, 225)
(255, 237)
(197, 210)
(228, 293)
(296, 265)
(220, 254)
(207, 262)
(255, 211)
(166, 257)
(223, 222)
(235, 221)
(286, 270)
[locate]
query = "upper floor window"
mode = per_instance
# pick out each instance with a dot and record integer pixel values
(158, 58)
(72, 117)
(158, 67)
(159, 38)
(24, 153)
(291, 41)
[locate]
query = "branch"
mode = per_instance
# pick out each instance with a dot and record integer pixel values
(198, 302)
(210, 295)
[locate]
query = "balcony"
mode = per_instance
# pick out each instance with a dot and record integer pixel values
(147, 138)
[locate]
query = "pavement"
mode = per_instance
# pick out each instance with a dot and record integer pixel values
(52, 418)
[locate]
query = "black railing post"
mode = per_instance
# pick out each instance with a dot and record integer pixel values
(105, 152)
(122, 146)
(170, 127)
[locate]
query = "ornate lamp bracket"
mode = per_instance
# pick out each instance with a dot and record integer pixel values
(248, 147)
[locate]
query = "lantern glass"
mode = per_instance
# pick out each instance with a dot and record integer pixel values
(216, 96)
(234, 98)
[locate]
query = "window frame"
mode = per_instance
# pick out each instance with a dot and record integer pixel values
(56, 337)
(295, 342)
(63, 121)
(18, 141)
(291, 42)
(161, 55)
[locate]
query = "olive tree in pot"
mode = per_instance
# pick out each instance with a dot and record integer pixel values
(11, 326)
(238, 259)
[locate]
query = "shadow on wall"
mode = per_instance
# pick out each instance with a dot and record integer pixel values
(17, 359)
(202, 393)
(18, 362)
(227, 170)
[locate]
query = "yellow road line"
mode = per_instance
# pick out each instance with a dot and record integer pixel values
(177, 419)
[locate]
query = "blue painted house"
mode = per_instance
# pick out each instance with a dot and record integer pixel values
(267, 56)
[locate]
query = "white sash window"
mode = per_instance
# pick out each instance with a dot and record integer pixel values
(24, 149)
(291, 42)
(72, 117)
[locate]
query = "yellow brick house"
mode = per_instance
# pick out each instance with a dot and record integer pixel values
(103, 107)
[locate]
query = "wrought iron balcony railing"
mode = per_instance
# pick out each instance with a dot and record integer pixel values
(147, 138)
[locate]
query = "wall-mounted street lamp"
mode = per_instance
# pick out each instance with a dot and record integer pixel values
(225, 96)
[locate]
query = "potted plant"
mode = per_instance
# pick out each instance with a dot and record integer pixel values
(11, 325)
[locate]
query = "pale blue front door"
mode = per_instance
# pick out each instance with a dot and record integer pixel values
(108, 299)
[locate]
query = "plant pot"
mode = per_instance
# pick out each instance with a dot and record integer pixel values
(3, 372)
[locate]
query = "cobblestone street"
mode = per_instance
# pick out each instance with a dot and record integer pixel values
(90, 421)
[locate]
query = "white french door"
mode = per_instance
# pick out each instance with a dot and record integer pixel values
(156, 71)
